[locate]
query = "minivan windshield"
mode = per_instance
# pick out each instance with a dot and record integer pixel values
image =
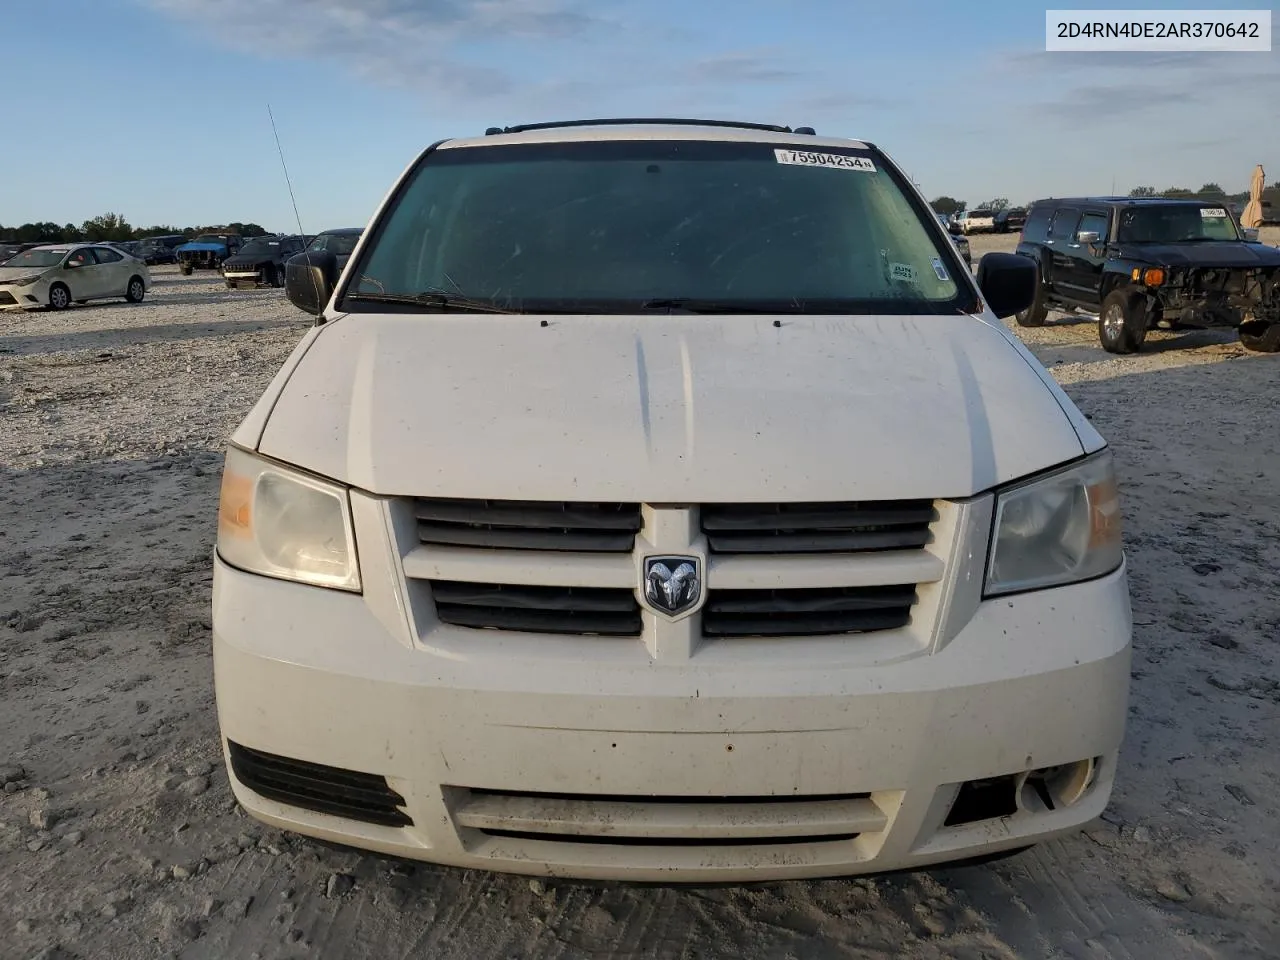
(37, 258)
(620, 225)
(1175, 223)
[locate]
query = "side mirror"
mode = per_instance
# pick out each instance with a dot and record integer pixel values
(309, 279)
(1250, 234)
(1008, 282)
(1088, 236)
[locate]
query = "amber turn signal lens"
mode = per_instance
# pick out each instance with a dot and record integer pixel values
(235, 506)
(1153, 276)
(1104, 513)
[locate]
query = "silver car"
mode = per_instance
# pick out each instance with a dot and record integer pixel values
(57, 275)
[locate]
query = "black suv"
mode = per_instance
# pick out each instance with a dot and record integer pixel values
(261, 261)
(1010, 220)
(1142, 262)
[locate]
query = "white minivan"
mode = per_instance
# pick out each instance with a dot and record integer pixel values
(666, 501)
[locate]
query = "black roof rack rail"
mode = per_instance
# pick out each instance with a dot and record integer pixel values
(621, 121)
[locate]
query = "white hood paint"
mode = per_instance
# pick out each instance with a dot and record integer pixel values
(8, 274)
(667, 409)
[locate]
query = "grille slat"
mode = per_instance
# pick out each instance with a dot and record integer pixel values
(601, 611)
(457, 535)
(806, 612)
(813, 516)
(817, 527)
(583, 599)
(529, 525)
(313, 786)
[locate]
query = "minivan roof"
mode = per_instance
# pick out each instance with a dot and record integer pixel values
(654, 131)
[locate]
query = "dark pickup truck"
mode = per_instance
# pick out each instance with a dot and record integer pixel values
(1142, 263)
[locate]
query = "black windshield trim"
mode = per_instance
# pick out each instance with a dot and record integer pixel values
(966, 300)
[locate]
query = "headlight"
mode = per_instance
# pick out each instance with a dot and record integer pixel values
(1056, 529)
(23, 281)
(282, 523)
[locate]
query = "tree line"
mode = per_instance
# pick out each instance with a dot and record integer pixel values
(949, 205)
(114, 227)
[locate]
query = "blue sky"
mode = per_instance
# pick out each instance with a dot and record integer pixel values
(157, 109)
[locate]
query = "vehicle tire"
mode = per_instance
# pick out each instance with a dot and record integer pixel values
(136, 290)
(1122, 323)
(277, 276)
(1268, 341)
(1034, 315)
(186, 269)
(230, 285)
(59, 297)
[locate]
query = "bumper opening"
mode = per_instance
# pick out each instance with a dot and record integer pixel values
(659, 821)
(668, 841)
(312, 786)
(1042, 790)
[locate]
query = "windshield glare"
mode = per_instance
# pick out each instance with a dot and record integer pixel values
(1175, 223)
(36, 258)
(600, 226)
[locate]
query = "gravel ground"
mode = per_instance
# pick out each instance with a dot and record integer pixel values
(119, 837)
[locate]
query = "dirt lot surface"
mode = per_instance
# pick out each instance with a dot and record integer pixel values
(119, 837)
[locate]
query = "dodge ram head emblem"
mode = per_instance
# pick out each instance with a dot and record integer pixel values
(671, 584)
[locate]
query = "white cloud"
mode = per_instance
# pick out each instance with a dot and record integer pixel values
(418, 44)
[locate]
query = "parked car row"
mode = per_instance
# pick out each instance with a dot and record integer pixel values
(55, 275)
(982, 220)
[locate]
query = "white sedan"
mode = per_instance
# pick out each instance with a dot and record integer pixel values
(57, 275)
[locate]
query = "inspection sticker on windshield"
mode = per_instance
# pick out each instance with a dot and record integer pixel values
(902, 271)
(1215, 213)
(939, 270)
(841, 161)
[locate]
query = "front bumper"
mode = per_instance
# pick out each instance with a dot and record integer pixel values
(322, 677)
(29, 297)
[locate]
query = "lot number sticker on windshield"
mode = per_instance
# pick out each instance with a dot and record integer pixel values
(841, 161)
(1216, 213)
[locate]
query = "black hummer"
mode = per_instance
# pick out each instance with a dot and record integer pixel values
(1139, 263)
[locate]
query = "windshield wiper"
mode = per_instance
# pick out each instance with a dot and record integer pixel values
(431, 301)
(696, 305)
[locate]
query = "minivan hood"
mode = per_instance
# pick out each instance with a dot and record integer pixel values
(667, 409)
(1211, 253)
